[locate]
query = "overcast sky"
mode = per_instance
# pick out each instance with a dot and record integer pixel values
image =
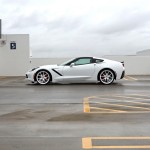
(70, 28)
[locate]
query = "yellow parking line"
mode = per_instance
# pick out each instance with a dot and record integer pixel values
(122, 105)
(90, 97)
(107, 109)
(113, 95)
(86, 105)
(87, 143)
(121, 138)
(129, 96)
(126, 112)
(87, 101)
(125, 101)
(132, 97)
(123, 147)
(130, 78)
(140, 95)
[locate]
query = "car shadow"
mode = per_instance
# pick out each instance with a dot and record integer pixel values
(74, 84)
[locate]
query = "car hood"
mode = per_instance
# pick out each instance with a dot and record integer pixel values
(49, 66)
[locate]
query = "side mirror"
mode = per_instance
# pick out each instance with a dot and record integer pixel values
(72, 64)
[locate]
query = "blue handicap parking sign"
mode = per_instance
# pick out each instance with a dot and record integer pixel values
(12, 45)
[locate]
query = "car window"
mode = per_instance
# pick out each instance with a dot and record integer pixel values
(98, 60)
(83, 61)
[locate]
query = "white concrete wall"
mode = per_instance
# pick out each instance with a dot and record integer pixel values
(144, 53)
(17, 62)
(135, 65)
(14, 62)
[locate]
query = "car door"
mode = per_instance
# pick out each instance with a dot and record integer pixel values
(80, 69)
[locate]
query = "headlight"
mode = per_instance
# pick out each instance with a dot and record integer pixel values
(34, 68)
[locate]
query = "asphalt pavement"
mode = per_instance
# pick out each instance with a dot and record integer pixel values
(75, 116)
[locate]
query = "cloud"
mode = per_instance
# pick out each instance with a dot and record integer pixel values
(79, 27)
(22, 22)
(65, 24)
(125, 22)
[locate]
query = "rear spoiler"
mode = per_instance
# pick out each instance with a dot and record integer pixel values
(122, 63)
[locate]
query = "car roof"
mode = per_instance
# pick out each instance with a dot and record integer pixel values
(89, 57)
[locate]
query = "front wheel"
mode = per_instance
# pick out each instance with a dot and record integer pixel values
(106, 76)
(43, 77)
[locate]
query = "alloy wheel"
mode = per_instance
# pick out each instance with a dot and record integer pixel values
(43, 77)
(106, 77)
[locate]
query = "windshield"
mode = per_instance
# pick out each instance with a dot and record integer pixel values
(63, 64)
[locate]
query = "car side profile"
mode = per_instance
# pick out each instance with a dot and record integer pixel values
(78, 70)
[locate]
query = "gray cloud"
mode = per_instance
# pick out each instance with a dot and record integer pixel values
(35, 20)
(25, 22)
(123, 22)
(65, 23)
(70, 28)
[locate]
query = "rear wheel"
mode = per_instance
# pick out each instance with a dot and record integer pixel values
(43, 77)
(106, 76)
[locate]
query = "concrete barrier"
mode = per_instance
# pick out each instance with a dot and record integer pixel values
(135, 65)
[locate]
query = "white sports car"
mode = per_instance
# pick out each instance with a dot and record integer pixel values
(78, 70)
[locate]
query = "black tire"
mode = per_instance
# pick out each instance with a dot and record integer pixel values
(106, 76)
(43, 77)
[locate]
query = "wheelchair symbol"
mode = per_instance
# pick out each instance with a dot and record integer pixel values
(12, 45)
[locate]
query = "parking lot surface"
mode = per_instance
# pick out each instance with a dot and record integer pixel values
(75, 116)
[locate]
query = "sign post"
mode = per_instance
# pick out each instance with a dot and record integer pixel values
(0, 29)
